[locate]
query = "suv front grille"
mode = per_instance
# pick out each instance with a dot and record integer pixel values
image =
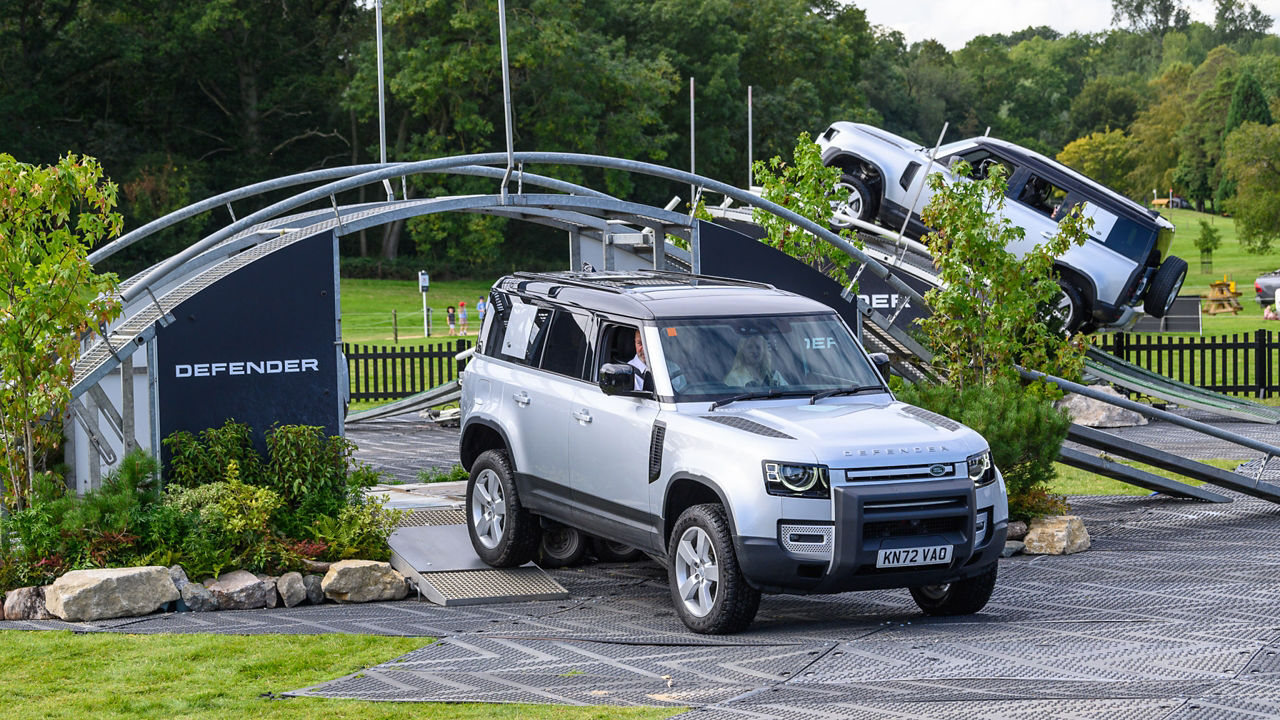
(912, 528)
(901, 473)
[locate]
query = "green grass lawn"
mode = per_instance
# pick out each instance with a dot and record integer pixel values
(1073, 481)
(367, 307)
(1230, 258)
(60, 674)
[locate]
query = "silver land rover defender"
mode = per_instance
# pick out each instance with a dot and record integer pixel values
(733, 431)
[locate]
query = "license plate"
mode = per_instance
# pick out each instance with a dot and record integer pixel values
(907, 557)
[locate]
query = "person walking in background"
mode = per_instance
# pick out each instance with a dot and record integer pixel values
(452, 317)
(481, 308)
(462, 317)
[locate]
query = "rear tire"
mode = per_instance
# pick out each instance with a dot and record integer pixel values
(710, 594)
(502, 532)
(609, 551)
(1070, 310)
(1165, 286)
(963, 597)
(561, 546)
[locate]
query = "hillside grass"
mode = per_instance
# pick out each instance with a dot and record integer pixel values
(367, 307)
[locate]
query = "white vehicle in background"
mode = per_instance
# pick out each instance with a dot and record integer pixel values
(1124, 268)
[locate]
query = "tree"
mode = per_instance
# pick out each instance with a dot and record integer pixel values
(1238, 20)
(1206, 242)
(49, 297)
(1150, 17)
(1104, 156)
(808, 188)
(1252, 162)
(1248, 104)
(1104, 103)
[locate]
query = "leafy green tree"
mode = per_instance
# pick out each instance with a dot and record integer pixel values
(988, 314)
(808, 188)
(1104, 103)
(1248, 104)
(1104, 156)
(1251, 163)
(1151, 17)
(1238, 20)
(1206, 242)
(1192, 176)
(49, 297)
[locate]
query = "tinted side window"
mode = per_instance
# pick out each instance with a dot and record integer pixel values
(982, 160)
(518, 333)
(566, 345)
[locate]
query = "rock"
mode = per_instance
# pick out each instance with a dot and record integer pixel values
(179, 576)
(273, 597)
(110, 593)
(353, 581)
(1, 611)
(1017, 530)
(292, 589)
(1011, 548)
(318, 567)
(315, 588)
(197, 598)
(26, 604)
(239, 590)
(1057, 535)
(208, 581)
(1097, 414)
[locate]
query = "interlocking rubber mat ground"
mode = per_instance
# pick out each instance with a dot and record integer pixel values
(1174, 613)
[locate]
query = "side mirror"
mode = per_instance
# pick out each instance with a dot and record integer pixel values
(881, 361)
(617, 378)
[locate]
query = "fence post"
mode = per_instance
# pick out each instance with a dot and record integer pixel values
(1119, 348)
(1261, 366)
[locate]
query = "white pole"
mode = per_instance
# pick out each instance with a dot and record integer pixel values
(693, 191)
(506, 93)
(750, 164)
(426, 331)
(382, 103)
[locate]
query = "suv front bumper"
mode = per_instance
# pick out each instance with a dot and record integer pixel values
(869, 519)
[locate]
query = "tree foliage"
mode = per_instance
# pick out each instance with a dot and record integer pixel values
(49, 297)
(807, 188)
(1252, 162)
(1104, 156)
(989, 313)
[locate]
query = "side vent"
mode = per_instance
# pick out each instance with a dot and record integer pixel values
(908, 175)
(655, 450)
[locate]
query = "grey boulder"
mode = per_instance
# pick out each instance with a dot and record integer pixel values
(239, 590)
(293, 591)
(26, 604)
(356, 581)
(315, 588)
(99, 594)
(197, 598)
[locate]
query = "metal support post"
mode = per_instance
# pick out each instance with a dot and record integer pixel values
(153, 396)
(750, 165)
(575, 251)
(695, 247)
(659, 248)
(692, 143)
(126, 404)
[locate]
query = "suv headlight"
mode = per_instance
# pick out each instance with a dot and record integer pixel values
(981, 470)
(796, 480)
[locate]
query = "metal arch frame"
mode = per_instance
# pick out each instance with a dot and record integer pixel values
(450, 164)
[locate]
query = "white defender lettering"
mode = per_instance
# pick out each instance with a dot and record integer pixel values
(247, 367)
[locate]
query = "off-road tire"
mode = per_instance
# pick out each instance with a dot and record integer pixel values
(561, 546)
(1165, 286)
(963, 597)
(734, 602)
(1079, 312)
(518, 541)
(861, 198)
(613, 552)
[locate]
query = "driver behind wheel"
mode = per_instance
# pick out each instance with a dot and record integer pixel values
(753, 365)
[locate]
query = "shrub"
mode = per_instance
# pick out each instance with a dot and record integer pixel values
(435, 475)
(1024, 428)
(309, 471)
(197, 460)
(360, 530)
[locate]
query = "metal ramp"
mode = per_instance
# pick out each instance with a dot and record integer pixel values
(432, 549)
(1140, 380)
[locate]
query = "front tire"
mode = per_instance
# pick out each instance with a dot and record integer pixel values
(561, 546)
(502, 532)
(861, 204)
(710, 594)
(963, 597)
(1070, 310)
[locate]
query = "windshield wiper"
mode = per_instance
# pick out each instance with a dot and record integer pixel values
(756, 395)
(850, 390)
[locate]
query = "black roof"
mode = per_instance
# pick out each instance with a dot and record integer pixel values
(649, 294)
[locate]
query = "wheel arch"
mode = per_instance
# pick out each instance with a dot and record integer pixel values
(870, 171)
(1088, 290)
(686, 490)
(480, 436)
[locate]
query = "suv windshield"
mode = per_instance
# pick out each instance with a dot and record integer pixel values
(722, 357)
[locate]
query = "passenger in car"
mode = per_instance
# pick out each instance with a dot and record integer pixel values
(753, 365)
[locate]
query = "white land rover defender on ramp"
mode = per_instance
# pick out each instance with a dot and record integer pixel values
(1123, 266)
(736, 432)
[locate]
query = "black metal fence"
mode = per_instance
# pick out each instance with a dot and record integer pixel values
(1239, 364)
(390, 373)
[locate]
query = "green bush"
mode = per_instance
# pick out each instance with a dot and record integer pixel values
(310, 473)
(1023, 426)
(360, 530)
(435, 475)
(197, 460)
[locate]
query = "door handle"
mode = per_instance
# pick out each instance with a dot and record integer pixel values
(1047, 235)
(582, 416)
(521, 398)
